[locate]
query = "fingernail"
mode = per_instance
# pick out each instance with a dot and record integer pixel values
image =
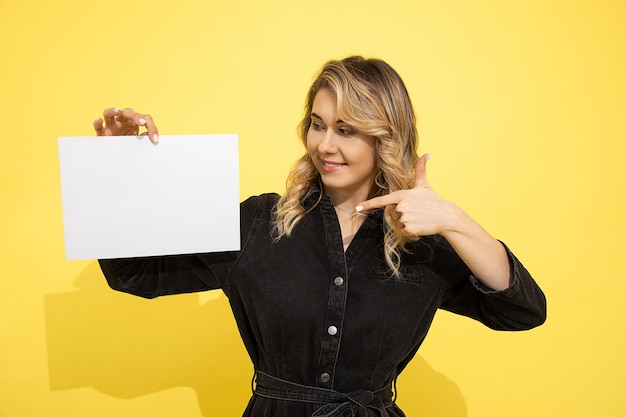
(427, 157)
(358, 208)
(142, 121)
(116, 110)
(155, 138)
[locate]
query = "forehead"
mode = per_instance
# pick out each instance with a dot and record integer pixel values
(325, 104)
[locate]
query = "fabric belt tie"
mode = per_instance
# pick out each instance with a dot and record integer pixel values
(335, 403)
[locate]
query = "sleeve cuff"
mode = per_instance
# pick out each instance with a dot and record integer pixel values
(512, 289)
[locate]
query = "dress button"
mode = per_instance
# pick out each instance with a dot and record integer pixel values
(325, 377)
(332, 330)
(338, 281)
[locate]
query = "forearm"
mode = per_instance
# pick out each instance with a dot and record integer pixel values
(151, 277)
(482, 253)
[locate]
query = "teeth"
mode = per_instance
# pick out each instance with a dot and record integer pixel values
(332, 165)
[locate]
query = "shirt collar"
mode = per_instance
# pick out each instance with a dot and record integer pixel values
(312, 197)
(315, 196)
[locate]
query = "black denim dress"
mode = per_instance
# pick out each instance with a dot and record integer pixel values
(329, 331)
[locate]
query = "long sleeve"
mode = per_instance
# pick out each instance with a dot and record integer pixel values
(522, 306)
(151, 277)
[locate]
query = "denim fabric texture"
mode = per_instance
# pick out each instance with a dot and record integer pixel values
(313, 315)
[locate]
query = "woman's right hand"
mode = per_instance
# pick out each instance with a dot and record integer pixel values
(116, 122)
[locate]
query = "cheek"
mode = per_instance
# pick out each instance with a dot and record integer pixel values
(311, 142)
(372, 165)
(369, 155)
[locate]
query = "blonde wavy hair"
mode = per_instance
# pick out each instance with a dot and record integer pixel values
(372, 98)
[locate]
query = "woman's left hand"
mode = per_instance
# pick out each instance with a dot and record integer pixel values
(418, 211)
(421, 212)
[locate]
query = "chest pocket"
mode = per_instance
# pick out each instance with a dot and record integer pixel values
(412, 274)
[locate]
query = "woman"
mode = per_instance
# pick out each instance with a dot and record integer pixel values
(338, 280)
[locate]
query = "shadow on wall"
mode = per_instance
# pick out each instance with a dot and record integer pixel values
(127, 347)
(422, 391)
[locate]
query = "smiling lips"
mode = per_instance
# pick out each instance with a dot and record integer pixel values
(330, 166)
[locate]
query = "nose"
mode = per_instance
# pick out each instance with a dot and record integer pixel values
(328, 144)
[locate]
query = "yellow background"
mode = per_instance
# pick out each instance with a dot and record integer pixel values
(521, 104)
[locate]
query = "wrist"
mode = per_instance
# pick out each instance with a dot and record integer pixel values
(456, 220)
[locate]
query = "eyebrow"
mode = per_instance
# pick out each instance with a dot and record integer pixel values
(313, 114)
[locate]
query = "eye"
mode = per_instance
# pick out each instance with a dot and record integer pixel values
(317, 126)
(346, 131)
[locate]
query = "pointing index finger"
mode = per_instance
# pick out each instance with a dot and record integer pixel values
(376, 202)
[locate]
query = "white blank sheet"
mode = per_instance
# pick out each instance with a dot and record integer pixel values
(125, 197)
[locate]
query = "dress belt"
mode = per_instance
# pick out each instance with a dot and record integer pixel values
(335, 403)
